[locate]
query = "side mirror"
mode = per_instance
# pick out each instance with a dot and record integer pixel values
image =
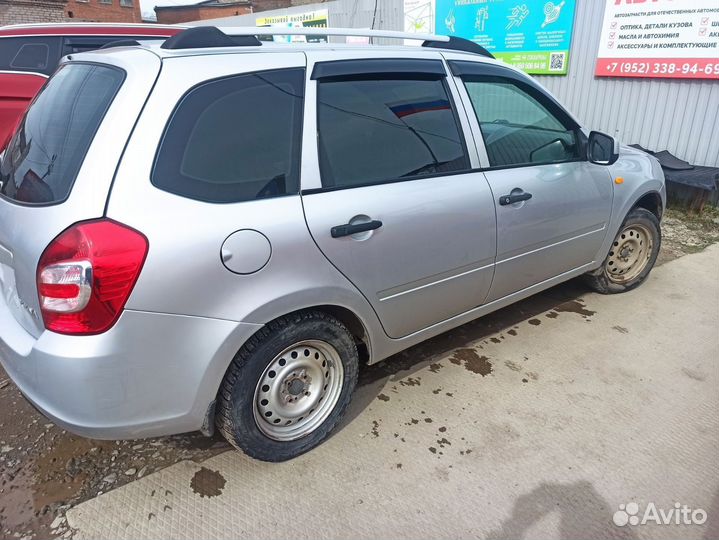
(602, 149)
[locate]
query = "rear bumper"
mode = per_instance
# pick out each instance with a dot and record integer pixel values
(150, 375)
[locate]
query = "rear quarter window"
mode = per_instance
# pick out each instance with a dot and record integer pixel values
(30, 54)
(235, 139)
(45, 154)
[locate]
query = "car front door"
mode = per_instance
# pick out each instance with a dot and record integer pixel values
(396, 205)
(552, 205)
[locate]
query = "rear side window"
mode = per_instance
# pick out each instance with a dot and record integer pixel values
(46, 152)
(235, 139)
(31, 54)
(384, 129)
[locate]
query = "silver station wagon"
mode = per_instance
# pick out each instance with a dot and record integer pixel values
(217, 231)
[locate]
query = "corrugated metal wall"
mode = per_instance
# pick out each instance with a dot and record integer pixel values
(679, 115)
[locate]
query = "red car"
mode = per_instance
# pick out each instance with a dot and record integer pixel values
(29, 53)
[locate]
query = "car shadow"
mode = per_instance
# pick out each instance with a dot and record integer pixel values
(373, 378)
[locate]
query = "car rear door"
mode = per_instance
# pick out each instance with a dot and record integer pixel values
(25, 64)
(58, 166)
(552, 205)
(389, 194)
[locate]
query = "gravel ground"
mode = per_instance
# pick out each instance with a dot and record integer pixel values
(45, 470)
(684, 233)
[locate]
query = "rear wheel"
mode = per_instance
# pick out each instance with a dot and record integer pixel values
(631, 256)
(288, 387)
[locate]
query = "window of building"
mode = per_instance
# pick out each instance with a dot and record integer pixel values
(235, 139)
(373, 130)
(126, 3)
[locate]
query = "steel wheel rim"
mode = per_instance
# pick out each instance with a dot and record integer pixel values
(298, 390)
(629, 254)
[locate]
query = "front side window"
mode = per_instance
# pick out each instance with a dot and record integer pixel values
(47, 150)
(235, 139)
(375, 130)
(516, 127)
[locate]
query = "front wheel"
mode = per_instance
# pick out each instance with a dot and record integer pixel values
(288, 386)
(631, 256)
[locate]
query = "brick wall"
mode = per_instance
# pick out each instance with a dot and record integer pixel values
(180, 14)
(266, 5)
(116, 11)
(31, 11)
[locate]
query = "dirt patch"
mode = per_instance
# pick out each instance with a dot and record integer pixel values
(684, 233)
(620, 329)
(472, 361)
(575, 306)
(692, 374)
(513, 365)
(44, 470)
(207, 483)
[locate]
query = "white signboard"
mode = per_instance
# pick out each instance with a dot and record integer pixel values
(659, 38)
(418, 18)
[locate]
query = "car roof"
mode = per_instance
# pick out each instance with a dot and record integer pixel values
(89, 29)
(278, 48)
(212, 40)
(269, 47)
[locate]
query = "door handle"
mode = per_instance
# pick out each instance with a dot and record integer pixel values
(353, 228)
(517, 195)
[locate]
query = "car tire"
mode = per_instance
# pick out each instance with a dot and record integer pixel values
(288, 386)
(631, 256)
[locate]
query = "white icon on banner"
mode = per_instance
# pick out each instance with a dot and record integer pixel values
(450, 21)
(482, 16)
(551, 12)
(517, 16)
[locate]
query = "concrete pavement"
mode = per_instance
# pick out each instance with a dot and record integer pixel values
(540, 429)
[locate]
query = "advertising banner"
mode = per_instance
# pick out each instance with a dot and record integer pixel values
(307, 19)
(659, 38)
(533, 35)
(419, 16)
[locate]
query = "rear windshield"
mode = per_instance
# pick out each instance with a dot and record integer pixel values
(45, 154)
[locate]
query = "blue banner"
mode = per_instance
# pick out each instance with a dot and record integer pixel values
(533, 35)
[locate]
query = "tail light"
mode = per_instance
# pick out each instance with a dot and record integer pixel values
(86, 275)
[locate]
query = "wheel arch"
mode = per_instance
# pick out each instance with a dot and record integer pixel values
(651, 201)
(354, 323)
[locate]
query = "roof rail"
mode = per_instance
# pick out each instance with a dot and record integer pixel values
(359, 32)
(203, 37)
(459, 44)
(212, 36)
(121, 43)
